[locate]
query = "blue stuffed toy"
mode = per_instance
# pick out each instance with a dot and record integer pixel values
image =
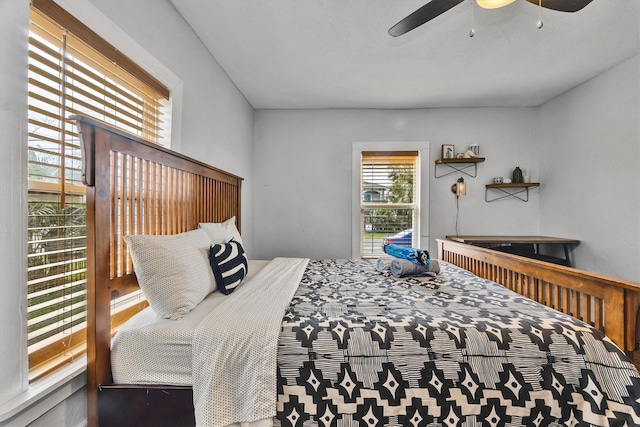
(415, 255)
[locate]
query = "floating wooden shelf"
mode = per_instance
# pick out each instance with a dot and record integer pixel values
(512, 189)
(459, 165)
(514, 185)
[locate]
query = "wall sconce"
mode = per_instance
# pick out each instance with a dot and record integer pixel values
(459, 188)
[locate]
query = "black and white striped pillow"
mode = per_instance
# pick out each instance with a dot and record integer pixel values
(229, 265)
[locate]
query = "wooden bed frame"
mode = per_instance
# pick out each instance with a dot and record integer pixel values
(137, 187)
(610, 305)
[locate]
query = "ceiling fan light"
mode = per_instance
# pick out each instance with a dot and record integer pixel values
(493, 4)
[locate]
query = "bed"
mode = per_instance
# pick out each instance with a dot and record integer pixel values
(353, 345)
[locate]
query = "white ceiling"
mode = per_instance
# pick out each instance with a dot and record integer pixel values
(337, 53)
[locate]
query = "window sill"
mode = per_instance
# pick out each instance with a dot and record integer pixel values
(44, 394)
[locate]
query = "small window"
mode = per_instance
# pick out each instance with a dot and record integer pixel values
(388, 200)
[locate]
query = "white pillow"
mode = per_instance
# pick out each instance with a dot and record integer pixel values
(222, 232)
(173, 270)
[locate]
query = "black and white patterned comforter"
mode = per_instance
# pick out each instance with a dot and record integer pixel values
(359, 347)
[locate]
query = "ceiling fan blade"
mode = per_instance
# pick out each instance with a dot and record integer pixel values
(426, 13)
(563, 5)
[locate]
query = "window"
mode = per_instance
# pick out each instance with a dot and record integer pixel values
(389, 203)
(71, 71)
(390, 187)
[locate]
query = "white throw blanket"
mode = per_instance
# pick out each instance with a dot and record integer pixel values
(235, 348)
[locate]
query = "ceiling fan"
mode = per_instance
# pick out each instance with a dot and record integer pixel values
(436, 8)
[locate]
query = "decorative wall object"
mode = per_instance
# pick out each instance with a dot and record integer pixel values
(448, 151)
(517, 175)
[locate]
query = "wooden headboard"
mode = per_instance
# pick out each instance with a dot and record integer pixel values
(609, 304)
(135, 187)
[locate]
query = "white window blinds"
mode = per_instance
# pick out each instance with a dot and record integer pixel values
(388, 205)
(71, 71)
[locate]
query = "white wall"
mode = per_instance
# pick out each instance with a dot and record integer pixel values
(596, 114)
(583, 147)
(302, 176)
(13, 217)
(590, 151)
(302, 173)
(215, 127)
(216, 119)
(507, 138)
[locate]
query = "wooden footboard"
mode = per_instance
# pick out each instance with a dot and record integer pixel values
(135, 187)
(610, 305)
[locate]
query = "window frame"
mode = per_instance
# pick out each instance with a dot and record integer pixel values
(422, 202)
